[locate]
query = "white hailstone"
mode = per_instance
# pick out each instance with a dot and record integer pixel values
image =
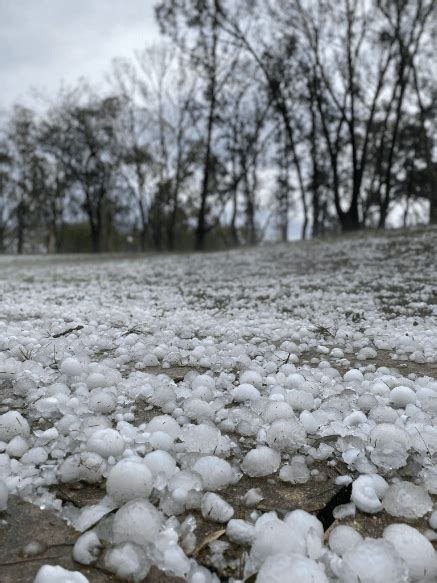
(4, 495)
(198, 409)
(261, 461)
(130, 478)
(137, 522)
(277, 410)
(240, 532)
(163, 396)
(160, 462)
(216, 473)
(407, 500)
(413, 547)
(17, 446)
(300, 400)
(23, 386)
(380, 389)
(353, 375)
(128, 561)
(91, 515)
(430, 479)
(161, 440)
(251, 377)
(391, 444)
(366, 402)
(367, 491)
(166, 424)
(355, 418)
(274, 536)
(96, 380)
(342, 538)
(295, 473)
(102, 401)
(106, 442)
(86, 549)
(284, 568)
(5, 465)
(286, 435)
(35, 455)
(203, 393)
(13, 424)
(57, 389)
(216, 509)
(252, 497)
(296, 380)
(373, 561)
(245, 392)
(309, 422)
(72, 367)
(57, 574)
(203, 380)
(337, 353)
(47, 406)
(402, 396)
(343, 511)
(150, 360)
(88, 467)
(185, 486)
(433, 520)
(301, 522)
(366, 352)
(200, 438)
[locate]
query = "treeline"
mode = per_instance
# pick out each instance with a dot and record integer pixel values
(250, 113)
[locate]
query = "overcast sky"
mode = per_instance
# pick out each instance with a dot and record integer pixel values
(45, 41)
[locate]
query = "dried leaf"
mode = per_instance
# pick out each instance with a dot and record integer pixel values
(209, 539)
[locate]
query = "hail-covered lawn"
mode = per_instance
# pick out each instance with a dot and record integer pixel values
(267, 414)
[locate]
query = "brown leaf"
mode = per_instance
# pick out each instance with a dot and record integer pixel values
(209, 539)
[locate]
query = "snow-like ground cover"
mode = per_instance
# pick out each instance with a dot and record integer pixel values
(191, 414)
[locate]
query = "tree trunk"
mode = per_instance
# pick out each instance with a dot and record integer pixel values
(20, 228)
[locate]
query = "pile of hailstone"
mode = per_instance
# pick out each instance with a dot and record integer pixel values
(81, 407)
(159, 472)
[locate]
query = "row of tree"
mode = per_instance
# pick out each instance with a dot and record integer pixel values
(249, 112)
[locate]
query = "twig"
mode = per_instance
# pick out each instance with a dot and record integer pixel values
(65, 332)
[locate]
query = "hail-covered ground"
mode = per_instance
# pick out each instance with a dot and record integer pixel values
(262, 415)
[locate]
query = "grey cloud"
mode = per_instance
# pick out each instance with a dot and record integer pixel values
(44, 41)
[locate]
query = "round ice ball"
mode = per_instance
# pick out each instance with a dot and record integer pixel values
(96, 380)
(138, 522)
(71, 367)
(216, 473)
(128, 561)
(166, 424)
(57, 574)
(373, 561)
(366, 493)
(407, 500)
(106, 442)
(261, 461)
(413, 547)
(245, 392)
(284, 568)
(342, 538)
(214, 508)
(4, 495)
(160, 462)
(102, 401)
(130, 478)
(286, 435)
(12, 424)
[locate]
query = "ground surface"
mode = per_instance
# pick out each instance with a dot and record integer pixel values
(373, 298)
